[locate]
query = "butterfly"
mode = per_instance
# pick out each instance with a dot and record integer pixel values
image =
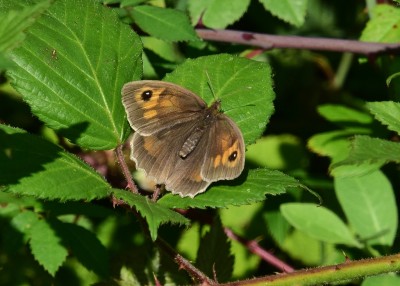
(179, 141)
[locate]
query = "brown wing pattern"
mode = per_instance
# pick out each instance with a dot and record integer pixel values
(154, 105)
(164, 164)
(224, 159)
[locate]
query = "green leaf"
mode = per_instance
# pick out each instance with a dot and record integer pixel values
(318, 222)
(337, 146)
(85, 246)
(290, 11)
(214, 256)
(13, 23)
(343, 115)
(71, 68)
(334, 144)
(283, 152)
(33, 166)
(46, 247)
(217, 14)
(369, 150)
(386, 112)
(165, 50)
(244, 87)
(383, 27)
(163, 23)
(250, 187)
(374, 215)
(382, 280)
(155, 214)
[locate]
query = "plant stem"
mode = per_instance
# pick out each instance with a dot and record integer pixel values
(125, 170)
(349, 270)
(255, 248)
(268, 42)
(183, 263)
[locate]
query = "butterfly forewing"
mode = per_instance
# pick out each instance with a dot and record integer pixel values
(154, 105)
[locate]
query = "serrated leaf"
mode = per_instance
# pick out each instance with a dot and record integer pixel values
(70, 70)
(85, 246)
(374, 216)
(244, 87)
(24, 221)
(383, 27)
(318, 222)
(386, 112)
(249, 188)
(214, 256)
(290, 11)
(163, 23)
(334, 144)
(365, 149)
(13, 23)
(46, 247)
(33, 166)
(217, 14)
(155, 214)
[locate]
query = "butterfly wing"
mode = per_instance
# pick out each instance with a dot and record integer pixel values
(158, 156)
(155, 105)
(224, 159)
(186, 180)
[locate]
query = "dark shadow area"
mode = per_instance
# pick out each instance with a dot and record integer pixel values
(24, 154)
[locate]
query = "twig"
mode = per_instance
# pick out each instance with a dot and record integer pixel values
(125, 170)
(346, 271)
(255, 248)
(156, 193)
(267, 41)
(185, 264)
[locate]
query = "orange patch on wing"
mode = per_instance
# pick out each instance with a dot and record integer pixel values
(150, 114)
(225, 157)
(150, 145)
(154, 99)
(166, 103)
(197, 178)
(217, 161)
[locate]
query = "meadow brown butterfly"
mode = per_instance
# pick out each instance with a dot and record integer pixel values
(179, 141)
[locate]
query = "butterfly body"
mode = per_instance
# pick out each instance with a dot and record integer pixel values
(178, 140)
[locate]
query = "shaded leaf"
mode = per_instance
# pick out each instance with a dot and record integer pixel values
(318, 222)
(217, 14)
(383, 27)
(290, 11)
(15, 22)
(249, 188)
(155, 214)
(71, 68)
(244, 87)
(33, 166)
(163, 23)
(46, 247)
(386, 112)
(383, 151)
(374, 215)
(214, 255)
(85, 246)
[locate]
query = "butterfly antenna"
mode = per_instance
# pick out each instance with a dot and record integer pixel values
(210, 85)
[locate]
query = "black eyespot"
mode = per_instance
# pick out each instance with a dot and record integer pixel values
(146, 95)
(233, 156)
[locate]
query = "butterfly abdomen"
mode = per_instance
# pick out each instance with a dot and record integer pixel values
(192, 141)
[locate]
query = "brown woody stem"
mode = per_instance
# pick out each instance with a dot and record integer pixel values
(268, 42)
